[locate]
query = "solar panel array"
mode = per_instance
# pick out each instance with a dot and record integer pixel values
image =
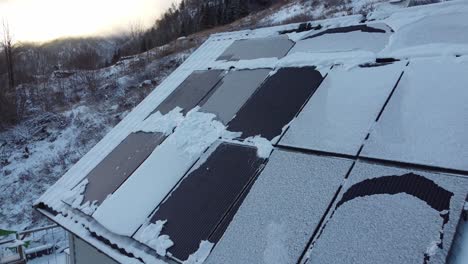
(368, 162)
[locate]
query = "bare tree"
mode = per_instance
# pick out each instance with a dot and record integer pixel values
(136, 30)
(8, 107)
(7, 44)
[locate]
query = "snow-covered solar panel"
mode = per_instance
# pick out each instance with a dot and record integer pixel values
(281, 211)
(391, 215)
(447, 33)
(191, 91)
(111, 172)
(425, 121)
(196, 207)
(341, 112)
(232, 92)
(371, 37)
(130, 205)
(276, 102)
(249, 49)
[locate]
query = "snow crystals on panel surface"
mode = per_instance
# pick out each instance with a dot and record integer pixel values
(126, 209)
(278, 216)
(339, 115)
(395, 222)
(372, 37)
(425, 121)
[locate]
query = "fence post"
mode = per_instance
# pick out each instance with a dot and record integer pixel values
(20, 247)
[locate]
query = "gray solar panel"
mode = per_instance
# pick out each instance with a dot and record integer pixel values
(391, 215)
(191, 91)
(111, 172)
(249, 49)
(343, 109)
(232, 92)
(286, 203)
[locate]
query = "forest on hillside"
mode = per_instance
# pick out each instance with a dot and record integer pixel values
(27, 63)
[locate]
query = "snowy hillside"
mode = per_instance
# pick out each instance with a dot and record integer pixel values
(70, 111)
(35, 153)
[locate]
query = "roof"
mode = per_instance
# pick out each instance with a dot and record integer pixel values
(340, 140)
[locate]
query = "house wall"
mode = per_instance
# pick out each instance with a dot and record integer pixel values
(82, 253)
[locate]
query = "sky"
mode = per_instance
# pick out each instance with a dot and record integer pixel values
(43, 20)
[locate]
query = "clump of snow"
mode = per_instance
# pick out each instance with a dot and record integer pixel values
(74, 198)
(263, 145)
(89, 207)
(432, 248)
(201, 254)
(151, 236)
(161, 123)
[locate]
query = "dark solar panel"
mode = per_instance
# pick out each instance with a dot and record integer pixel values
(111, 172)
(198, 205)
(249, 49)
(412, 184)
(276, 103)
(191, 91)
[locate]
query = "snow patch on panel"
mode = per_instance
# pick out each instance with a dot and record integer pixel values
(201, 254)
(263, 145)
(150, 235)
(157, 122)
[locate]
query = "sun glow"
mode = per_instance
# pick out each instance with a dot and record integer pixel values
(42, 20)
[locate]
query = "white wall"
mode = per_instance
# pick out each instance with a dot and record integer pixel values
(82, 253)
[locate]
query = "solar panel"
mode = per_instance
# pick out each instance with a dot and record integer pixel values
(191, 91)
(343, 109)
(425, 119)
(284, 206)
(205, 196)
(446, 29)
(276, 102)
(157, 176)
(114, 170)
(249, 49)
(232, 92)
(391, 215)
(372, 37)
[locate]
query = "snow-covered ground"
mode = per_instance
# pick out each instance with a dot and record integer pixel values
(38, 151)
(319, 9)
